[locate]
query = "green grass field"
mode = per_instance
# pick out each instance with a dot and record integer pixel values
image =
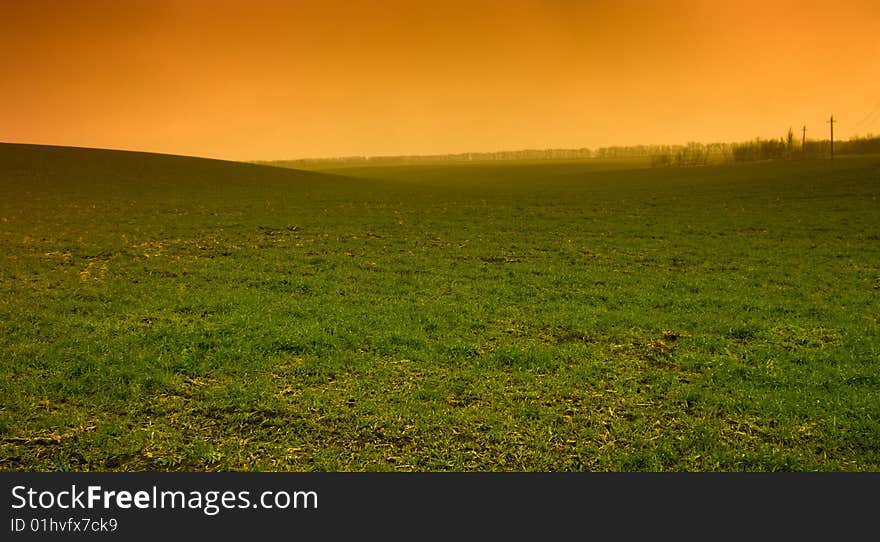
(171, 313)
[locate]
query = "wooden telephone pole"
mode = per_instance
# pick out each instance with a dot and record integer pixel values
(804, 141)
(831, 122)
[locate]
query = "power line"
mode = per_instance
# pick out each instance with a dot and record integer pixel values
(869, 116)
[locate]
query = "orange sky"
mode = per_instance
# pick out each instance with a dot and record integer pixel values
(274, 80)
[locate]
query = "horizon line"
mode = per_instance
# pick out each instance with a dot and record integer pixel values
(434, 155)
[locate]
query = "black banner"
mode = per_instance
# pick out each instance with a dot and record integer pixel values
(331, 506)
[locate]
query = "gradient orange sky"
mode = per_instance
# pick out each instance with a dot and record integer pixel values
(266, 80)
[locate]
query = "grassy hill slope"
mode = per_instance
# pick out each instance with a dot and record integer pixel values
(171, 313)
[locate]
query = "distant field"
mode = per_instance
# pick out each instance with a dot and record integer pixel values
(171, 313)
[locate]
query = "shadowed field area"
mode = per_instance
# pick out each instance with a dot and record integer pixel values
(173, 313)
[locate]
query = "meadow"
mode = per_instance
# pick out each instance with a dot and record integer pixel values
(174, 313)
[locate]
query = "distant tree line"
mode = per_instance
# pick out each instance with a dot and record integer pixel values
(784, 148)
(787, 148)
(868, 144)
(528, 154)
(692, 154)
(689, 155)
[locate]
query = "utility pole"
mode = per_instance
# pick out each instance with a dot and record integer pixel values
(804, 141)
(831, 122)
